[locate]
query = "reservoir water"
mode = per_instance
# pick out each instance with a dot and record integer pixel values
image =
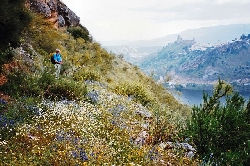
(195, 97)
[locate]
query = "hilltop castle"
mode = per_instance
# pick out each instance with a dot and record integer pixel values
(180, 40)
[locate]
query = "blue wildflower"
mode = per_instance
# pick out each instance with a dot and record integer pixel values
(92, 96)
(2, 101)
(74, 154)
(83, 155)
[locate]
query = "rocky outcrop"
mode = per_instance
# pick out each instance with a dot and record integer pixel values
(55, 11)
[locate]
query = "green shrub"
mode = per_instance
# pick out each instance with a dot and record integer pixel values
(13, 20)
(136, 91)
(46, 80)
(20, 84)
(60, 89)
(221, 132)
(80, 32)
(86, 74)
(125, 68)
(6, 57)
(162, 129)
(66, 89)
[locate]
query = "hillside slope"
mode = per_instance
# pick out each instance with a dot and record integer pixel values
(188, 63)
(101, 110)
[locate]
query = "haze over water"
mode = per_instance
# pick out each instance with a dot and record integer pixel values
(195, 97)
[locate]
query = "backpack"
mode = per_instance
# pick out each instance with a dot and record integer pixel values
(52, 59)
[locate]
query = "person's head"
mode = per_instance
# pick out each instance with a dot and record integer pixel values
(57, 50)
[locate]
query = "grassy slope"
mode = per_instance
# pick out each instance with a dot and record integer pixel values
(83, 132)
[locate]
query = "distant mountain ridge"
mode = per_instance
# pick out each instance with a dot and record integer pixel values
(212, 34)
(134, 51)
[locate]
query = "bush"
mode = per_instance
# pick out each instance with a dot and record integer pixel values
(80, 32)
(85, 74)
(136, 91)
(23, 84)
(64, 89)
(163, 129)
(6, 57)
(13, 20)
(221, 132)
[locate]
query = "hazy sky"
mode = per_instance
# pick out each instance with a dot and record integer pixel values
(109, 20)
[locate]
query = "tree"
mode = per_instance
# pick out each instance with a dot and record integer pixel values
(14, 17)
(80, 32)
(221, 132)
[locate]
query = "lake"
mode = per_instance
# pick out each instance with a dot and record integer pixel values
(195, 97)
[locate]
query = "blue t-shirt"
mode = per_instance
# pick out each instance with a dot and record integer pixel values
(57, 57)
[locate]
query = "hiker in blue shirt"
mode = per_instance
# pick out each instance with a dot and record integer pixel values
(57, 61)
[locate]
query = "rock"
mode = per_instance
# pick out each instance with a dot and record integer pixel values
(71, 19)
(39, 6)
(145, 126)
(187, 146)
(189, 150)
(61, 21)
(144, 113)
(162, 145)
(93, 96)
(55, 11)
(117, 110)
(189, 154)
(141, 138)
(33, 137)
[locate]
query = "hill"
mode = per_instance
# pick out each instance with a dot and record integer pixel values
(193, 65)
(101, 110)
(135, 51)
